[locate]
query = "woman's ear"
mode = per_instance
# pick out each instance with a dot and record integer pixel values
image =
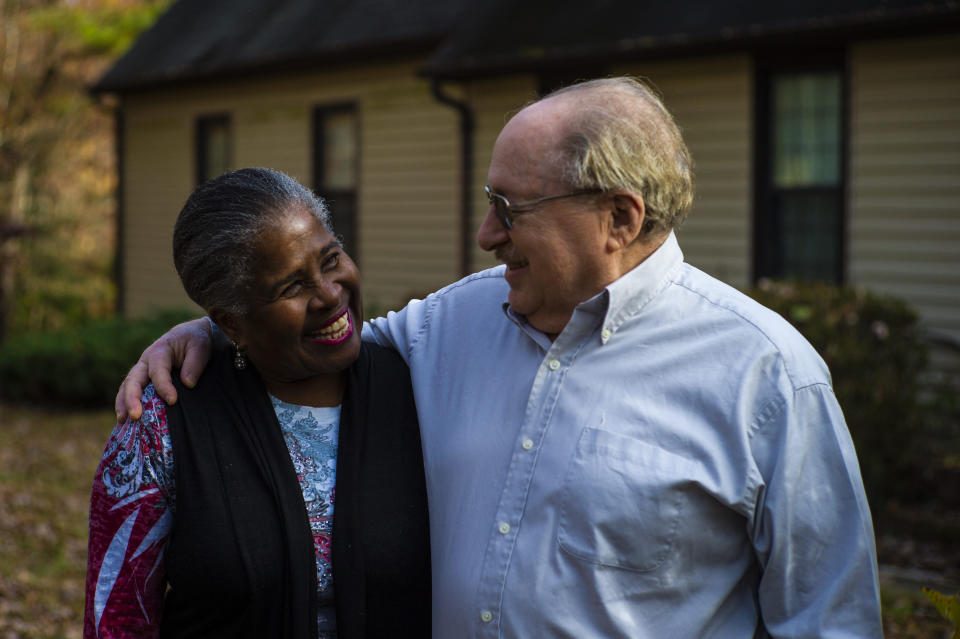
(628, 213)
(228, 323)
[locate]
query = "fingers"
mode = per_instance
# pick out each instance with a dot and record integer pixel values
(159, 362)
(127, 403)
(120, 403)
(190, 347)
(187, 345)
(196, 356)
(154, 366)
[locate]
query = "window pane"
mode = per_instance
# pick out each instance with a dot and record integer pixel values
(800, 206)
(806, 129)
(214, 147)
(810, 235)
(336, 167)
(343, 214)
(340, 150)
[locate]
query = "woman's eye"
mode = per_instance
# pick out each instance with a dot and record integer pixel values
(332, 262)
(293, 289)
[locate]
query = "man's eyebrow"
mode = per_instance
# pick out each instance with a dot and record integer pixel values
(275, 289)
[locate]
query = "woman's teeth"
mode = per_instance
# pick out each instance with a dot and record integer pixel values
(336, 330)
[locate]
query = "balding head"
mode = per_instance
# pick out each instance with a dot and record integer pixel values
(617, 135)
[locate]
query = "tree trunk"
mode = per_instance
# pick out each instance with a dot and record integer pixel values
(11, 228)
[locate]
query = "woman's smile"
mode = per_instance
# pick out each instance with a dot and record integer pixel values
(336, 331)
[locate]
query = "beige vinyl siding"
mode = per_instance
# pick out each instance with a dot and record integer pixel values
(904, 211)
(711, 100)
(408, 192)
(409, 160)
(158, 175)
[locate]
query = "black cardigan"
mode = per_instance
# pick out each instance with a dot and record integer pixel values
(240, 560)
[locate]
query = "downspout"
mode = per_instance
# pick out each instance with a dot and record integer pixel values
(119, 259)
(466, 173)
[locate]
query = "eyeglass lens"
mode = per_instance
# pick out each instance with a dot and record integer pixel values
(500, 209)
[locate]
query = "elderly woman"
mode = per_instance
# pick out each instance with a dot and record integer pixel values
(215, 517)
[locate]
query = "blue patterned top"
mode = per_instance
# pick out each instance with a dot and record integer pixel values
(311, 434)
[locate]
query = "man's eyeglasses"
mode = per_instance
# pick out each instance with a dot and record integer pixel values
(505, 211)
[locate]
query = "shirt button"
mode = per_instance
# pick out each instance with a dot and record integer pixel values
(605, 334)
(527, 444)
(554, 364)
(504, 528)
(486, 616)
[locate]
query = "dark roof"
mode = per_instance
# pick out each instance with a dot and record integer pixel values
(201, 39)
(198, 39)
(501, 35)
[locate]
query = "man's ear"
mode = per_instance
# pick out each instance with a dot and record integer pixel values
(628, 214)
(228, 323)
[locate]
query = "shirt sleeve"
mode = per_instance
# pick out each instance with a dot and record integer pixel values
(130, 519)
(812, 531)
(400, 330)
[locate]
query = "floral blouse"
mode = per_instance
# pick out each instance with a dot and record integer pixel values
(134, 503)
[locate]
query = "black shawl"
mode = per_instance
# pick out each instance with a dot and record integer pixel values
(240, 560)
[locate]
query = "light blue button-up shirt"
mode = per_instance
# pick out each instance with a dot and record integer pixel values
(674, 464)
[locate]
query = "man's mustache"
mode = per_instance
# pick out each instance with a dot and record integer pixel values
(507, 254)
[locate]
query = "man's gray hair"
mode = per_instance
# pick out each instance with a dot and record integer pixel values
(621, 136)
(217, 234)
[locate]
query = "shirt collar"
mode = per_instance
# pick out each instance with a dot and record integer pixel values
(625, 296)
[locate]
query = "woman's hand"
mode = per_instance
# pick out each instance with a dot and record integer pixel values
(186, 345)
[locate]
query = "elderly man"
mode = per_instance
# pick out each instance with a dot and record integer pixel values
(616, 444)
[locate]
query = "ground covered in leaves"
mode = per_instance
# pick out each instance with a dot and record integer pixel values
(47, 461)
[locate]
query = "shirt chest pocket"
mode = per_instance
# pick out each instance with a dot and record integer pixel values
(622, 501)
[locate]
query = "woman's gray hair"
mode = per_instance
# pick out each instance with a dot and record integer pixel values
(621, 136)
(217, 233)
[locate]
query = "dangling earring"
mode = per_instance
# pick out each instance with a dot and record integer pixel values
(239, 359)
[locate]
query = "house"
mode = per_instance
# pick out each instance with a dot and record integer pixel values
(826, 135)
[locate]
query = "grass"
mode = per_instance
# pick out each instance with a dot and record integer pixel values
(908, 614)
(47, 461)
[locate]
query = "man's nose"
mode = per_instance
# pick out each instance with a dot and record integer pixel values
(491, 233)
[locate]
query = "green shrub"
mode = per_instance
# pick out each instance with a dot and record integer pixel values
(79, 367)
(877, 355)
